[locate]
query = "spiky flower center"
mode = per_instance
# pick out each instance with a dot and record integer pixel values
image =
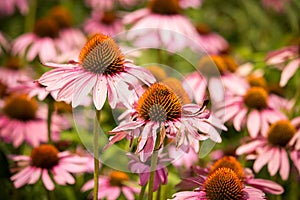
(45, 156)
(223, 184)
(231, 163)
(280, 133)
(20, 107)
(257, 81)
(117, 178)
(159, 104)
(61, 16)
(46, 27)
(101, 55)
(256, 98)
(164, 7)
(108, 17)
(177, 87)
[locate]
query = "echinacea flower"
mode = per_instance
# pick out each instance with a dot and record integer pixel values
(101, 66)
(105, 22)
(159, 109)
(109, 4)
(273, 147)
(161, 26)
(143, 169)
(287, 59)
(4, 45)
(22, 120)
(113, 185)
(276, 5)
(225, 179)
(44, 162)
(190, 3)
(8, 7)
(248, 106)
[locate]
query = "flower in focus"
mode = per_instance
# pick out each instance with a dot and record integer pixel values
(8, 7)
(105, 22)
(101, 66)
(159, 110)
(287, 59)
(143, 169)
(211, 42)
(226, 179)
(246, 105)
(22, 120)
(43, 160)
(113, 185)
(161, 26)
(273, 147)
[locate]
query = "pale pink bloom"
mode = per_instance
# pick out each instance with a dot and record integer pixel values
(45, 162)
(273, 150)
(143, 169)
(247, 106)
(103, 22)
(71, 39)
(172, 32)
(190, 3)
(196, 86)
(4, 44)
(109, 4)
(183, 159)
(287, 59)
(11, 77)
(193, 124)
(109, 75)
(7, 7)
(28, 123)
(111, 187)
(276, 5)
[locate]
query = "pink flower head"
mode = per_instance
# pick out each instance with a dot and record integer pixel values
(143, 169)
(159, 110)
(281, 138)
(44, 160)
(248, 106)
(111, 186)
(276, 5)
(105, 22)
(211, 42)
(226, 179)
(190, 3)
(109, 4)
(101, 66)
(183, 159)
(161, 26)
(22, 120)
(7, 7)
(287, 59)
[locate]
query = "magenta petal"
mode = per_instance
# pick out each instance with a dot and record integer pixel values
(266, 186)
(144, 177)
(127, 193)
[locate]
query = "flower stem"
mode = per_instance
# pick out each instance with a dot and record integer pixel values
(158, 193)
(30, 18)
(142, 192)
(96, 154)
(49, 118)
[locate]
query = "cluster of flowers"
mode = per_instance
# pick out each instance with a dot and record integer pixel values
(164, 118)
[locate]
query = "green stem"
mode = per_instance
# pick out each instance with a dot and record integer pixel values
(158, 193)
(30, 18)
(142, 192)
(96, 154)
(49, 118)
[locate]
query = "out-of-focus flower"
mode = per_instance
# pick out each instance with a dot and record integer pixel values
(7, 7)
(22, 120)
(190, 3)
(211, 42)
(4, 45)
(287, 59)
(273, 147)
(105, 22)
(110, 4)
(181, 158)
(246, 105)
(113, 185)
(226, 179)
(101, 66)
(161, 26)
(143, 169)
(43, 160)
(52, 35)
(159, 109)
(276, 5)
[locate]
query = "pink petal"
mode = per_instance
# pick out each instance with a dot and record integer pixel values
(284, 165)
(100, 93)
(289, 71)
(127, 193)
(47, 180)
(263, 159)
(253, 123)
(249, 148)
(114, 193)
(238, 119)
(36, 174)
(266, 185)
(274, 163)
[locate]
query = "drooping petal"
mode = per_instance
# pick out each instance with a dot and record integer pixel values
(284, 165)
(274, 163)
(100, 93)
(263, 159)
(289, 71)
(47, 180)
(253, 123)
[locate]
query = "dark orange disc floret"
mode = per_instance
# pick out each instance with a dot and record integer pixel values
(45, 156)
(46, 27)
(164, 7)
(280, 133)
(117, 178)
(159, 103)
(256, 98)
